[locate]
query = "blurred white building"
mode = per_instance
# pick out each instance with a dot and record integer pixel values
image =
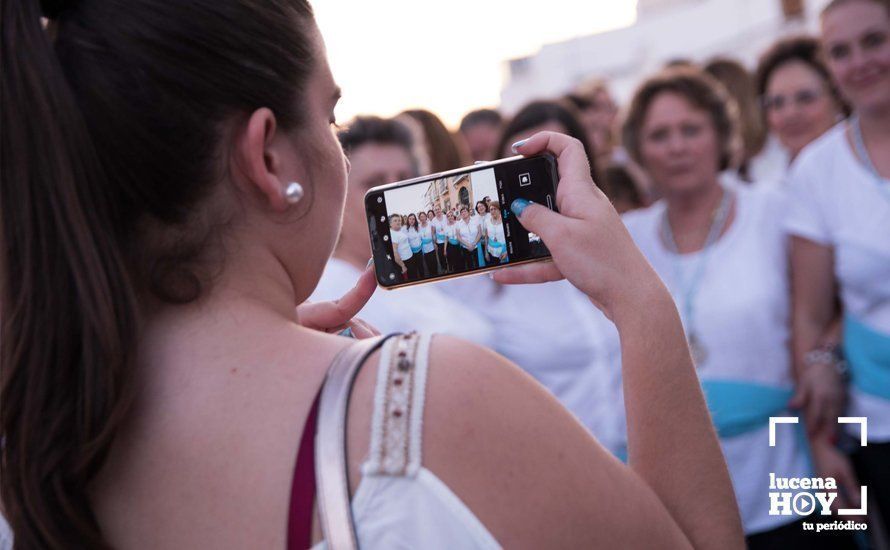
(665, 30)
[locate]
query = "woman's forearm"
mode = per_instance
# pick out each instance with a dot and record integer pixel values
(672, 444)
(807, 333)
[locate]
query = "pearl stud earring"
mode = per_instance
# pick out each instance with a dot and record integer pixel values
(293, 193)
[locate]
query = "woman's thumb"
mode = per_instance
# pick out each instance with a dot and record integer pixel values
(535, 218)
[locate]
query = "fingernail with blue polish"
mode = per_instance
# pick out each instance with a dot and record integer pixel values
(347, 332)
(518, 144)
(518, 207)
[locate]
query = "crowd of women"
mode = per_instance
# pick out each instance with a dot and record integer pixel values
(755, 205)
(427, 244)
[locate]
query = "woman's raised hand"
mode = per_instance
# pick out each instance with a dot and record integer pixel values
(589, 243)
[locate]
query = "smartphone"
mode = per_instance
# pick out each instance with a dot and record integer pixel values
(483, 234)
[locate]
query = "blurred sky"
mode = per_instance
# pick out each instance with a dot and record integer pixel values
(446, 56)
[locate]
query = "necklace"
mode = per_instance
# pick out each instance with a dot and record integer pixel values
(862, 152)
(688, 287)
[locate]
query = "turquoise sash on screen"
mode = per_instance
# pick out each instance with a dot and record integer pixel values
(868, 354)
(741, 407)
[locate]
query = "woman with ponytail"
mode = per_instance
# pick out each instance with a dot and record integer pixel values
(171, 190)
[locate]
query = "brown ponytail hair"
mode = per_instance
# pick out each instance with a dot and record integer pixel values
(111, 137)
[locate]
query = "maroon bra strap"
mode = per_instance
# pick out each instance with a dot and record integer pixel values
(302, 493)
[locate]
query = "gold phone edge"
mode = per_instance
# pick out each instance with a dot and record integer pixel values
(465, 274)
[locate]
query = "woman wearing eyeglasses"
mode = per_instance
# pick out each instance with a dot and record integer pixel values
(800, 103)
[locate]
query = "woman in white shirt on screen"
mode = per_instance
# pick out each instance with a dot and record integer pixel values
(413, 231)
(439, 221)
(427, 245)
(839, 216)
(495, 241)
(452, 249)
(469, 234)
(414, 239)
(480, 216)
(401, 247)
(721, 251)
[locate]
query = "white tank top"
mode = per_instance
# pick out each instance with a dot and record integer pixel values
(399, 503)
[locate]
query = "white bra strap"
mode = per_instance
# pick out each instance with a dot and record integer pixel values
(397, 422)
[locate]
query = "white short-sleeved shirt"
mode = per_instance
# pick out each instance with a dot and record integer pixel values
(400, 243)
(495, 231)
(413, 238)
(771, 163)
(423, 308)
(467, 230)
(426, 232)
(450, 231)
(478, 221)
(439, 224)
(742, 310)
(836, 202)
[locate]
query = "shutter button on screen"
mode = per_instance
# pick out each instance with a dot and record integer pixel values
(525, 179)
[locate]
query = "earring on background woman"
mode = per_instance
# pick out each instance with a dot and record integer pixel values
(293, 193)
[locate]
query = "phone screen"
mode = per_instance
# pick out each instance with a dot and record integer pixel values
(457, 222)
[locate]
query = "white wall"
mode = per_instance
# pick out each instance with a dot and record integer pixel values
(665, 30)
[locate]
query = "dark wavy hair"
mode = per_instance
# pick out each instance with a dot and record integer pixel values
(114, 122)
(802, 49)
(537, 113)
(373, 129)
(699, 89)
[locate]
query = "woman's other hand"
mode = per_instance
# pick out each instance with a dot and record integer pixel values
(340, 315)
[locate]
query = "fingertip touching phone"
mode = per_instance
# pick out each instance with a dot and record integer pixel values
(459, 222)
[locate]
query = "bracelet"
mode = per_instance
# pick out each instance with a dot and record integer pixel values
(827, 354)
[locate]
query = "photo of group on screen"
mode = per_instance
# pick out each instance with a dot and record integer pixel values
(431, 243)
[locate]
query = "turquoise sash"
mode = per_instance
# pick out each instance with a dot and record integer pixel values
(741, 407)
(868, 354)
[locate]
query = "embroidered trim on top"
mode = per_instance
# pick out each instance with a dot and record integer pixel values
(397, 421)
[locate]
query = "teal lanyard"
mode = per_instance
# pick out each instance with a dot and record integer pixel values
(688, 288)
(862, 152)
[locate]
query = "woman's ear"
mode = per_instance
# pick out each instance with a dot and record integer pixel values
(260, 161)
